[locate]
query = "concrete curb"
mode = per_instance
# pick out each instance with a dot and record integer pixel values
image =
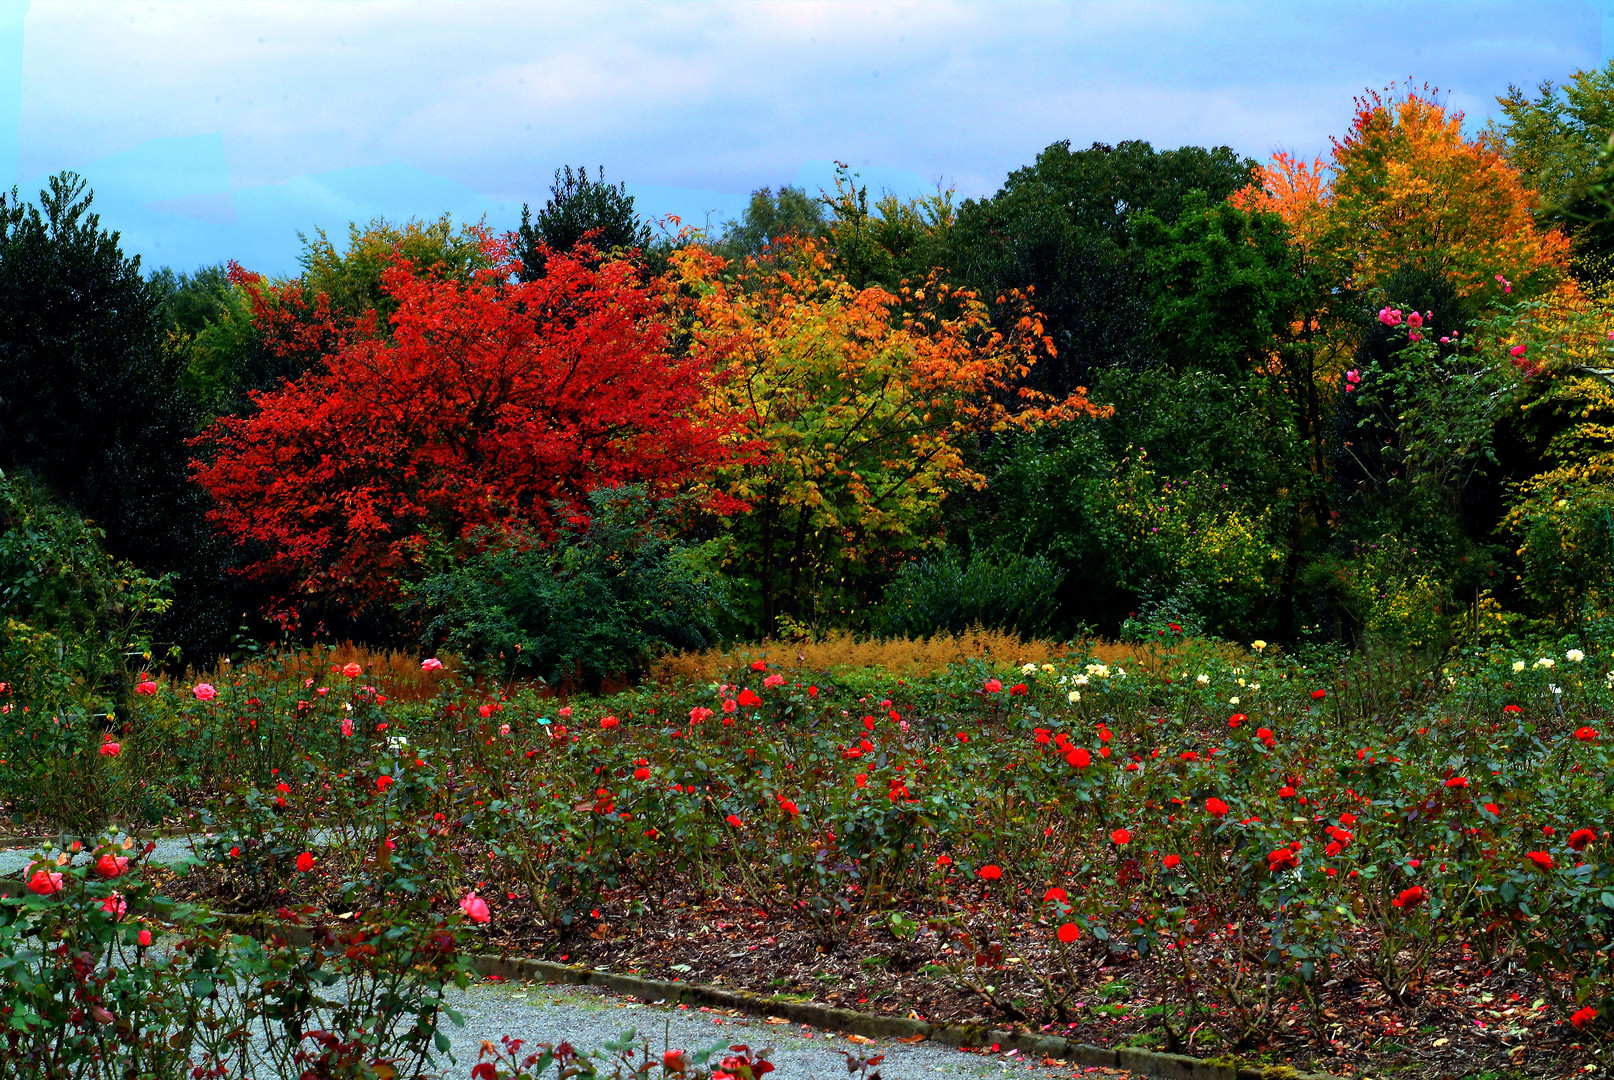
(1133, 1059)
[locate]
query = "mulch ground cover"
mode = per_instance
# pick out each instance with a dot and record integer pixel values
(1466, 1020)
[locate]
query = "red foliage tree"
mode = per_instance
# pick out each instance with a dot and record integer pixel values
(489, 404)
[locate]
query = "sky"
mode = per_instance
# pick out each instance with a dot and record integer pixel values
(214, 131)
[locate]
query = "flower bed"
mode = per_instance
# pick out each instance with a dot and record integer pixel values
(1327, 863)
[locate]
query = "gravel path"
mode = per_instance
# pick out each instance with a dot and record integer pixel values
(589, 1018)
(169, 848)
(13, 861)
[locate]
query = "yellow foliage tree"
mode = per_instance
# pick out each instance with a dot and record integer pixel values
(861, 401)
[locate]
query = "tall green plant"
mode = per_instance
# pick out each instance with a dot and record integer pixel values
(941, 594)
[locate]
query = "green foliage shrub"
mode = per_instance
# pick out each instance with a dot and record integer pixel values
(72, 618)
(603, 597)
(104, 978)
(942, 595)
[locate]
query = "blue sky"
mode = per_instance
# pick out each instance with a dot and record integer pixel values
(216, 131)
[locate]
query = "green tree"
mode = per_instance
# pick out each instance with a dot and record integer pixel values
(1225, 285)
(895, 242)
(1556, 140)
(1062, 229)
(96, 405)
(770, 217)
(209, 319)
(351, 279)
(578, 210)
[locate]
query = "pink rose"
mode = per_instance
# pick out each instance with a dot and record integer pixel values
(204, 691)
(431, 663)
(475, 908)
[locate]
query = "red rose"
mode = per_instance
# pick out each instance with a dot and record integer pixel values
(1215, 807)
(1281, 859)
(1580, 838)
(1121, 837)
(1541, 859)
(989, 872)
(1410, 898)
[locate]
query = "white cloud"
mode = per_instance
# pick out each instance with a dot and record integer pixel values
(726, 97)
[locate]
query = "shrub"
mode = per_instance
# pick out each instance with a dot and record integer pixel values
(88, 988)
(998, 592)
(71, 616)
(609, 593)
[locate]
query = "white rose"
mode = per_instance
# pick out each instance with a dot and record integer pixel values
(1232, 701)
(1203, 680)
(1074, 696)
(1518, 665)
(1574, 656)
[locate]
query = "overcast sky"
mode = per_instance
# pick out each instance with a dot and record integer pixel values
(215, 131)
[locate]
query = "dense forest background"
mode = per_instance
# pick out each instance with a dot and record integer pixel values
(1364, 399)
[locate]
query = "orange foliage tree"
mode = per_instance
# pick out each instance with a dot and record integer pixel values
(863, 400)
(1405, 185)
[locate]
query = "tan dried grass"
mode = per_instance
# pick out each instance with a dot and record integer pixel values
(842, 650)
